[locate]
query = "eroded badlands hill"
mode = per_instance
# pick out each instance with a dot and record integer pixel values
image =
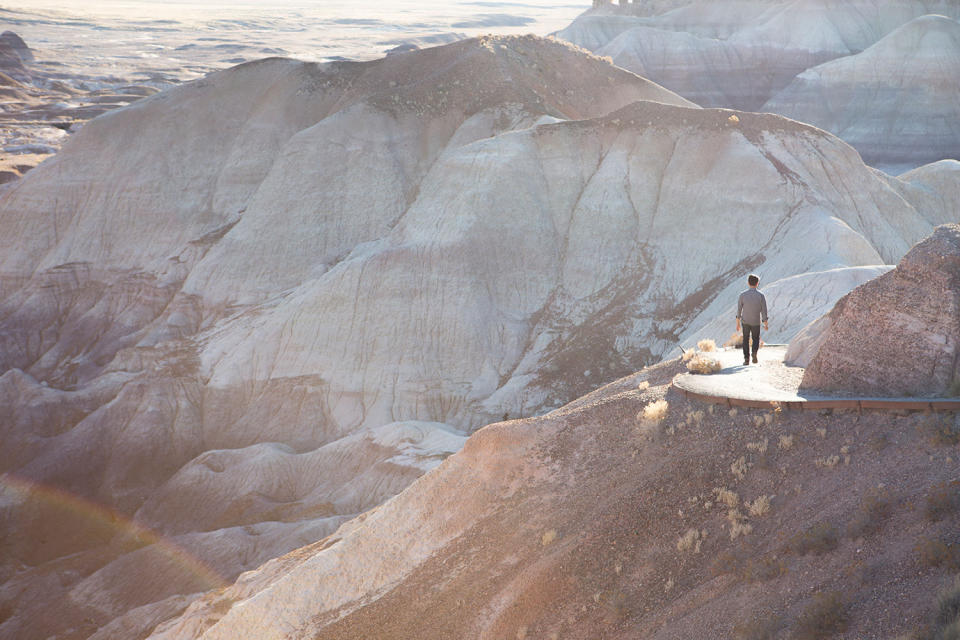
(896, 102)
(240, 312)
(766, 55)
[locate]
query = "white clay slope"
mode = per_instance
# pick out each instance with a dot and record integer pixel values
(853, 68)
(898, 102)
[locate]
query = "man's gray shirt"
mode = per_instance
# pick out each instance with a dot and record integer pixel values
(752, 307)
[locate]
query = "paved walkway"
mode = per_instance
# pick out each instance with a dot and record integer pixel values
(771, 381)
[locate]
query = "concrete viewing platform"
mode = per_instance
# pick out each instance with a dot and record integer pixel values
(770, 382)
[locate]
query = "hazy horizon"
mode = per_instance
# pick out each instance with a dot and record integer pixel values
(184, 39)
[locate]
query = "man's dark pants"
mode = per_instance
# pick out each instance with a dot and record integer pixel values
(750, 330)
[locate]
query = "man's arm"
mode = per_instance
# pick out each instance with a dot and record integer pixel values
(739, 310)
(763, 311)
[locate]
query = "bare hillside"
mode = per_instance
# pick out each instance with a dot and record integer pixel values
(590, 522)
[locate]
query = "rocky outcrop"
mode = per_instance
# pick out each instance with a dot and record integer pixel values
(900, 333)
(10, 41)
(897, 102)
(14, 53)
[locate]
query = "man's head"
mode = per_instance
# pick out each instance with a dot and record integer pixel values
(753, 280)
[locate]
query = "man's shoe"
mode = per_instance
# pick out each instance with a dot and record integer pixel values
(746, 361)
(754, 359)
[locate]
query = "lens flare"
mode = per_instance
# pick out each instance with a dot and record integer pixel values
(101, 515)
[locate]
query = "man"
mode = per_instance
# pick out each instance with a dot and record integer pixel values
(751, 309)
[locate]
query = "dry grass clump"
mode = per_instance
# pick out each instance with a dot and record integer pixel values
(786, 442)
(655, 411)
(759, 447)
(727, 497)
(759, 507)
(548, 537)
(739, 467)
(643, 386)
(703, 364)
(845, 452)
(707, 345)
(817, 539)
(827, 462)
(940, 430)
(650, 417)
(825, 616)
(735, 340)
(738, 524)
(694, 418)
(873, 509)
(691, 540)
(943, 500)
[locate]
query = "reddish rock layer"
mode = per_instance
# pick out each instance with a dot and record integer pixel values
(898, 334)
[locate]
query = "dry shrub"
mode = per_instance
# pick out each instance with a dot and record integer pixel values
(732, 413)
(689, 353)
(735, 340)
(818, 538)
(738, 524)
(707, 345)
(655, 411)
(940, 430)
(825, 616)
(548, 537)
(739, 467)
(702, 364)
(828, 462)
(691, 540)
(650, 417)
(760, 506)
(727, 497)
(821, 432)
(786, 442)
(643, 386)
(759, 447)
(695, 418)
(935, 552)
(943, 500)
(869, 516)
(845, 452)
